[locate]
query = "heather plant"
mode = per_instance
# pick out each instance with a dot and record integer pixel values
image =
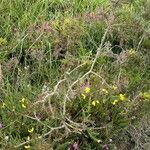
(74, 74)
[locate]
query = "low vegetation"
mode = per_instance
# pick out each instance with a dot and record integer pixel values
(74, 74)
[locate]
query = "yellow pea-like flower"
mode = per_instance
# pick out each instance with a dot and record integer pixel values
(115, 102)
(27, 146)
(114, 87)
(132, 51)
(122, 97)
(13, 108)
(105, 91)
(31, 130)
(98, 141)
(87, 90)
(95, 102)
(24, 102)
(83, 95)
(3, 105)
(23, 105)
(28, 138)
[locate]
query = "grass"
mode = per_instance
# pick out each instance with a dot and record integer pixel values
(74, 74)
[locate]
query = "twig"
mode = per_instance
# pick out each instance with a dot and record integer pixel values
(52, 93)
(87, 73)
(101, 78)
(75, 68)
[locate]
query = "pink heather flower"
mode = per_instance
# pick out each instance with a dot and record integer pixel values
(75, 146)
(1, 125)
(85, 85)
(46, 27)
(105, 147)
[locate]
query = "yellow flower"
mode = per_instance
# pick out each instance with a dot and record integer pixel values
(87, 90)
(23, 105)
(115, 102)
(28, 138)
(27, 146)
(122, 97)
(31, 130)
(105, 91)
(13, 108)
(3, 105)
(83, 95)
(114, 87)
(98, 141)
(95, 102)
(132, 51)
(24, 102)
